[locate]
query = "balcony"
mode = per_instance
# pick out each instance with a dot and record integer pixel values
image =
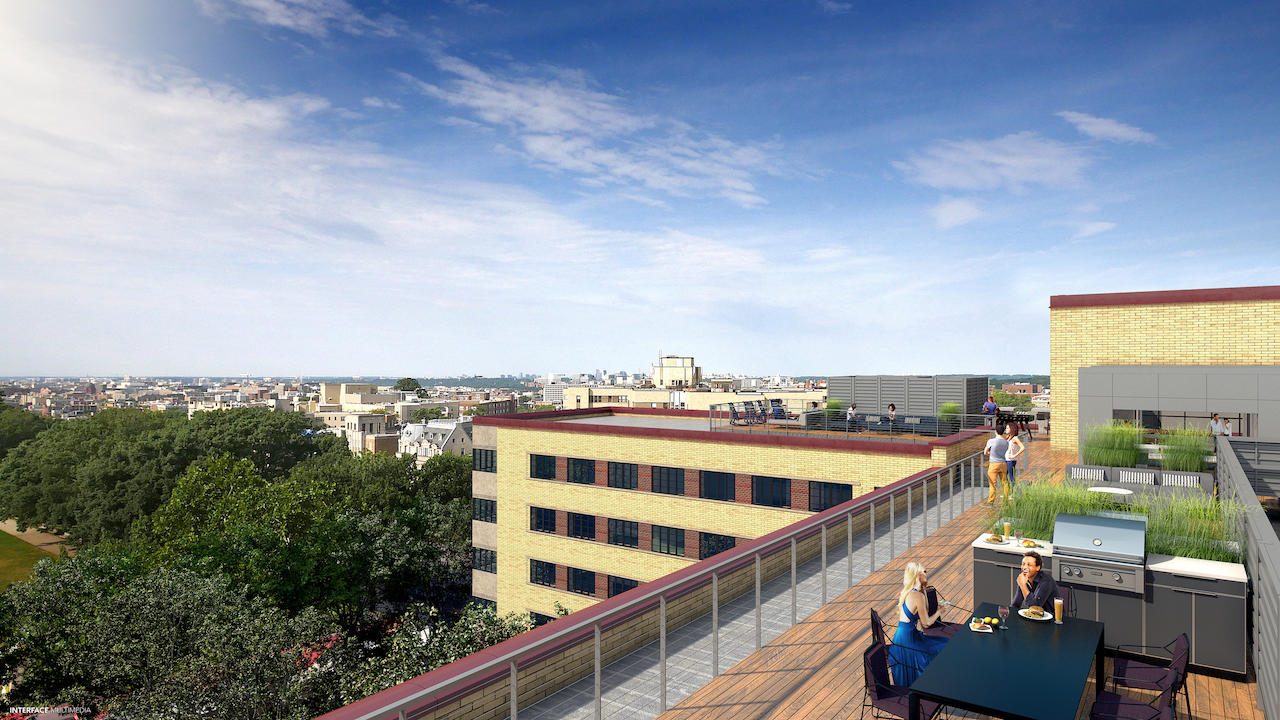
(773, 628)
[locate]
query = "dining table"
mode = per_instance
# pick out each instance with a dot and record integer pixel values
(1032, 670)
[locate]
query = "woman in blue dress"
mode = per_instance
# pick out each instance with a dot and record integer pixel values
(912, 649)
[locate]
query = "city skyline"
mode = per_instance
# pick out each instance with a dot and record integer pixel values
(284, 185)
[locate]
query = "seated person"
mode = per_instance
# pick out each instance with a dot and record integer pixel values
(1035, 586)
(912, 650)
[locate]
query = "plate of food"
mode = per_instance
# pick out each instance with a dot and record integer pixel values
(1031, 544)
(1036, 613)
(979, 626)
(996, 540)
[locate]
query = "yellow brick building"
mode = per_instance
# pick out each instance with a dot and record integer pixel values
(590, 502)
(1214, 327)
(595, 396)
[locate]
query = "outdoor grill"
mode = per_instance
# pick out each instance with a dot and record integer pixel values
(1106, 551)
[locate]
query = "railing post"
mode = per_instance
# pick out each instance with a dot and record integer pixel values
(757, 601)
(515, 697)
(662, 653)
(951, 494)
(715, 624)
(871, 530)
(596, 647)
(849, 557)
(824, 564)
(911, 540)
(893, 526)
(937, 505)
(793, 580)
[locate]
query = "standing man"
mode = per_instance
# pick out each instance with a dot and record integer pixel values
(1035, 586)
(997, 465)
(989, 408)
(1215, 425)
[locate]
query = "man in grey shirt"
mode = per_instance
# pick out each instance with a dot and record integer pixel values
(997, 469)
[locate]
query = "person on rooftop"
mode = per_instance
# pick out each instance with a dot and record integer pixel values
(1016, 448)
(997, 465)
(912, 650)
(1036, 588)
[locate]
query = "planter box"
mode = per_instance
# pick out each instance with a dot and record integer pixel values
(1141, 479)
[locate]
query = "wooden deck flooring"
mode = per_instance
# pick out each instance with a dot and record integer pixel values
(814, 670)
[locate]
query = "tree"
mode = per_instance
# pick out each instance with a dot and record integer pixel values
(423, 414)
(422, 641)
(18, 425)
(97, 630)
(1004, 399)
(407, 385)
(96, 477)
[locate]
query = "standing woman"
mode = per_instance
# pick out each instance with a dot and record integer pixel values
(1016, 448)
(912, 650)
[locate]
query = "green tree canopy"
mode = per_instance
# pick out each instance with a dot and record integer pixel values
(18, 425)
(1004, 399)
(407, 384)
(98, 630)
(423, 414)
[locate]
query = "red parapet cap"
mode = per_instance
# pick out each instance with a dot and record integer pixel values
(1164, 297)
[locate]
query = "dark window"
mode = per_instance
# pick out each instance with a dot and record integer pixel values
(484, 560)
(710, 543)
(618, 585)
(716, 485)
(623, 475)
(582, 526)
(582, 471)
(624, 532)
(484, 510)
(542, 573)
(484, 460)
(582, 581)
(539, 619)
(823, 495)
(542, 520)
(668, 540)
(542, 466)
(484, 603)
(668, 480)
(771, 491)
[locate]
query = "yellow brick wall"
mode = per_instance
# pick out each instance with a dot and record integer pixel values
(1209, 333)
(517, 492)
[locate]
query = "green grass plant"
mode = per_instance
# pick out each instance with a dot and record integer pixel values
(16, 559)
(948, 411)
(1113, 445)
(1188, 525)
(1184, 450)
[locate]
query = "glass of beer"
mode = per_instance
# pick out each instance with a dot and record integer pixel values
(1057, 611)
(1006, 529)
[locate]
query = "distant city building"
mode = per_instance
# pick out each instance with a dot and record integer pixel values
(676, 371)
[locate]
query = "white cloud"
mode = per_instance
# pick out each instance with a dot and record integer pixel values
(1106, 128)
(473, 6)
(310, 17)
(379, 103)
(1087, 229)
(954, 212)
(561, 122)
(1013, 161)
(832, 7)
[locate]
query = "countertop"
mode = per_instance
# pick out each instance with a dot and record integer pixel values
(1194, 567)
(1012, 548)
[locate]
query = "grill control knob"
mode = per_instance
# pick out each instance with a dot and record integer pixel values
(1116, 577)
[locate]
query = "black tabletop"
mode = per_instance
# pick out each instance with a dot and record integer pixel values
(1033, 669)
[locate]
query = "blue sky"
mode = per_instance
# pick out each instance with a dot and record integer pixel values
(425, 188)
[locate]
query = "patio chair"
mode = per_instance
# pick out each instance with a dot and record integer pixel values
(877, 628)
(882, 698)
(1064, 592)
(1111, 706)
(941, 628)
(1147, 676)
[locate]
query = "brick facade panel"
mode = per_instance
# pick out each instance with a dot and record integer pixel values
(800, 494)
(691, 483)
(644, 532)
(602, 585)
(602, 472)
(602, 529)
(562, 577)
(562, 468)
(644, 478)
(742, 488)
(562, 522)
(691, 544)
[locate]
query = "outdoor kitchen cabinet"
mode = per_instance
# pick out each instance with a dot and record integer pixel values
(1212, 611)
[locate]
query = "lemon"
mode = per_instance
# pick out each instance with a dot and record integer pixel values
(995, 621)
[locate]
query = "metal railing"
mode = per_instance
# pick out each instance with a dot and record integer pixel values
(587, 625)
(792, 417)
(1262, 563)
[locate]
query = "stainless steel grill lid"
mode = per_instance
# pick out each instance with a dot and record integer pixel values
(1121, 537)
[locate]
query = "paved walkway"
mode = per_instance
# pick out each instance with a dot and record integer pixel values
(630, 685)
(47, 542)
